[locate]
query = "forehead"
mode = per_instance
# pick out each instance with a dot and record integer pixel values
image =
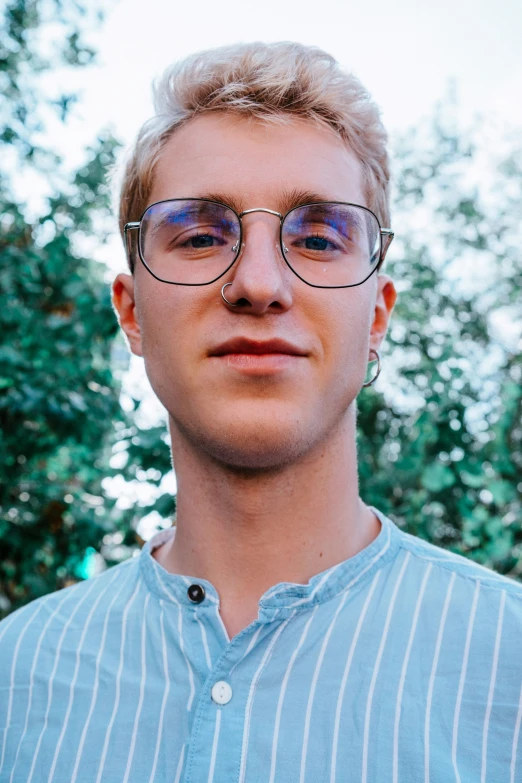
(251, 163)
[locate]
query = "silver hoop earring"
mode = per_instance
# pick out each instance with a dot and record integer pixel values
(370, 383)
(230, 304)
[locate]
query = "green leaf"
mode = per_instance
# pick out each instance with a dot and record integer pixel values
(437, 477)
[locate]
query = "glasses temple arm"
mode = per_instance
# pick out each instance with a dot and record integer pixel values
(130, 255)
(386, 240)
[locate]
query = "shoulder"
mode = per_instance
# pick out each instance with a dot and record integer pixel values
(457, 594)
(465, 595)
(446, 566)
(461, 611)
(458, 567)
(472, 619)
(40, 624)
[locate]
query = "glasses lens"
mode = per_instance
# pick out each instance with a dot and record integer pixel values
(189, 241)
(332, 244)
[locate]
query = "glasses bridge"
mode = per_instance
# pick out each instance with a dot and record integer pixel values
(261, 209)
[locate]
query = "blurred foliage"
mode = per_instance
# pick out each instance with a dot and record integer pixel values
(448, 467)
(59, 399)
(38, 36)
(439, 438)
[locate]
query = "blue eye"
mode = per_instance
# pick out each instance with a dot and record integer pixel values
(316, 243)
(202, 240)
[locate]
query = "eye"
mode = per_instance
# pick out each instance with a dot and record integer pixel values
(201, 240)
(316, 243)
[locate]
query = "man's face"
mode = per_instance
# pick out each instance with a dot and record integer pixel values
(247, 411)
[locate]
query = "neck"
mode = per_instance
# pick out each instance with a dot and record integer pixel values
(246, 533)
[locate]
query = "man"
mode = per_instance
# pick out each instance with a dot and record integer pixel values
(283, 630)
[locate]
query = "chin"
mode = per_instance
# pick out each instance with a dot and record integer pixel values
(252, 438)
(250, 445)
(258, 455)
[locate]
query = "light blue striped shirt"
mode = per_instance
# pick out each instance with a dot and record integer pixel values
(403, 663)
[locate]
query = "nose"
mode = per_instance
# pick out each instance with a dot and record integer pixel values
(261, 280)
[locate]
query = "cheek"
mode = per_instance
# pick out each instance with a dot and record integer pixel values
(163, 324)
(345, 328)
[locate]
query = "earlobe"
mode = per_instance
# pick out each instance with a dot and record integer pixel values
(125, 306)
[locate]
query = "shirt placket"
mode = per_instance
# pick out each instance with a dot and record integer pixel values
(214, 748)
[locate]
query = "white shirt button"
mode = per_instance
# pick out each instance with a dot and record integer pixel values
(221, 692)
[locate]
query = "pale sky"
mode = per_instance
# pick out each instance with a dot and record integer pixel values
(405, 52)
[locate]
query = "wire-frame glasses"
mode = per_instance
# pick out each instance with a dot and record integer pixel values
(195, 241)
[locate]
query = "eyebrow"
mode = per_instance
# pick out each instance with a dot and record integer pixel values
(287, 200)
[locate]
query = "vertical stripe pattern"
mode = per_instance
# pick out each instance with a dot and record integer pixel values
(492, 687)
(377, 667)
(431, 684)
(403, 674)
(275, 738)
(340, 700)
(313, 686)
(399, 664)
(462, 681)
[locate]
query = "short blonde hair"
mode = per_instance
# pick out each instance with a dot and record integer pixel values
(273, 82)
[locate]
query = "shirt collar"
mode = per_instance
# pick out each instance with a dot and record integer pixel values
(285, 598)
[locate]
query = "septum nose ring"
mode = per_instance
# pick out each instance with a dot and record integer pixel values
(230, 304)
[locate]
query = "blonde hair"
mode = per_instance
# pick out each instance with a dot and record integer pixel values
(273, 82)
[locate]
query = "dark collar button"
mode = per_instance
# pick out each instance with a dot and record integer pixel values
(196, 594)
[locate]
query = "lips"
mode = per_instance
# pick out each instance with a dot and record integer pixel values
(243, 345)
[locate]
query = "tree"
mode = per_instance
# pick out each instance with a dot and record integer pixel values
(59, 399)
(441, 450)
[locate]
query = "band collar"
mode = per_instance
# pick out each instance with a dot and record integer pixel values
(286, 597)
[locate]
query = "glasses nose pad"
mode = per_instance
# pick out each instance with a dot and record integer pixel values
(238, 249)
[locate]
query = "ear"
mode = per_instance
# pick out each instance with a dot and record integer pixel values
(384, 304)
(125, 305)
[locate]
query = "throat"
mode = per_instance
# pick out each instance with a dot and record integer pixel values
(244, 563)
